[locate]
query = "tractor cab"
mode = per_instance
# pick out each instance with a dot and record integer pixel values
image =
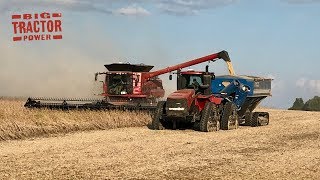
(198, 80)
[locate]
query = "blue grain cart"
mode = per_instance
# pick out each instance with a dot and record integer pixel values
(258, 89)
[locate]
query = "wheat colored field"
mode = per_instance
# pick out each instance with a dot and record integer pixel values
(17, 122)
(288, 148)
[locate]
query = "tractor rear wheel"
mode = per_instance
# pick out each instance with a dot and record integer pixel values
(230, 118)
(209, 119)
(156, 119)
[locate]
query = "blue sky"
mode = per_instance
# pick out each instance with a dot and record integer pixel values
(276, 38)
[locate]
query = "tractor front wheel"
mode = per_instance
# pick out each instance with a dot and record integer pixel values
(209, 119)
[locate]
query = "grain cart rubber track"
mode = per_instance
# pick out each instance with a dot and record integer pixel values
(247, 118)
(259, 119)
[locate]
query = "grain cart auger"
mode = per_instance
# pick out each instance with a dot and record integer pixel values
(209, 103)
(125, 86)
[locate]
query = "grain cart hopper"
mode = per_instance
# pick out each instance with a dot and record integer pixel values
(125, 86)
(211, 103)
(260, 88)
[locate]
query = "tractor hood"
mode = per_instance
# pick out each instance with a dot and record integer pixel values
(183, 94)
(179, 103)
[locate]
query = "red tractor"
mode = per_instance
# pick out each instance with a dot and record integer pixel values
(196, 101)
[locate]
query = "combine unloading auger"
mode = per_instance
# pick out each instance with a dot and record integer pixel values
(126, 86)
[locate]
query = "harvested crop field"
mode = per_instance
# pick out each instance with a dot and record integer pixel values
(289, 148)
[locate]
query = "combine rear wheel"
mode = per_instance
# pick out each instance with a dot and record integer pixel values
(156, 119)
(209, 119)
(230, 118)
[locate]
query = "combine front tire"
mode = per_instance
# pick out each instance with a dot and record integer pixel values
(209, 119)
(156, 119)
(230, 118)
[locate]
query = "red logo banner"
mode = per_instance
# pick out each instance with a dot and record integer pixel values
(38, 26)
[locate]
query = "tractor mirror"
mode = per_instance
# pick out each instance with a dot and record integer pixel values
(213, 76)
(170, 77)
(95, 76)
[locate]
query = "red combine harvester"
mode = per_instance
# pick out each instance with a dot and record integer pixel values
(126, 86)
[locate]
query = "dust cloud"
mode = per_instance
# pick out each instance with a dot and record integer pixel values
(56, 70)
(28, 72)
(65, 68)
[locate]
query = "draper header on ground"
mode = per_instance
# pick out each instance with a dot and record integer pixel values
(37, 26)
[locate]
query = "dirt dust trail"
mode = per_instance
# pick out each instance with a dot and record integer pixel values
(289, 148)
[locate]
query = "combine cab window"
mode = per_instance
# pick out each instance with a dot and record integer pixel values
(120, 84)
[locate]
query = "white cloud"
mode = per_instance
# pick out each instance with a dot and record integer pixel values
(132, 11)
(73, 5)
(173, 7)
(302, 1)
(309, 84)
(190, 7)
(301, 82)
(315, 85)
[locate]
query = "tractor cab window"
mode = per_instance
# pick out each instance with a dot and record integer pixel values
(119, 84)
(195, 81)
(190, 81)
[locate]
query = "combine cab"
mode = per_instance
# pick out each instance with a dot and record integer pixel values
(124, 85)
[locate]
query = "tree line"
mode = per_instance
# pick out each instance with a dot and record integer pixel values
(310, 105)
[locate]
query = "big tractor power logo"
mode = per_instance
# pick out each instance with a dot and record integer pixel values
(37, 27)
